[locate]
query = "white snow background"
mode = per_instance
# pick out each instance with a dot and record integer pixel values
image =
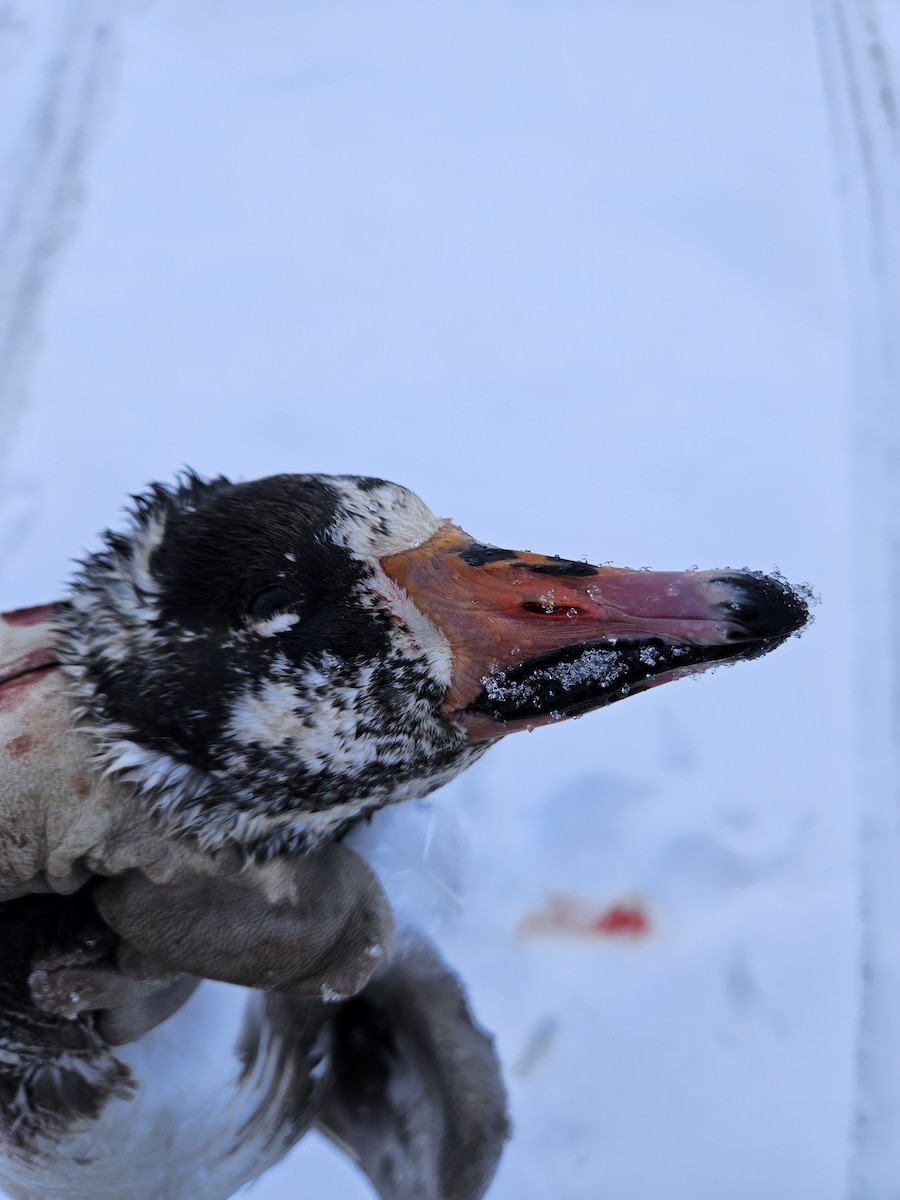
(607, 279)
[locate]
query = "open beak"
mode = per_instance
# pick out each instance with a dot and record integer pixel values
(537, 639)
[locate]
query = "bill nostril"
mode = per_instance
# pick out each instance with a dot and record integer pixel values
(547, 608)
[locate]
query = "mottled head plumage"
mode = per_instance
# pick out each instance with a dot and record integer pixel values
(241, 658)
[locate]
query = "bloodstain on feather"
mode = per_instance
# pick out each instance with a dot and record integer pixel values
(29, 616)
(569, 916)
(32, 660)
(20, 745)
(13, 691)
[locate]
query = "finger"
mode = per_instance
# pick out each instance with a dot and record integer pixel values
(318, 925)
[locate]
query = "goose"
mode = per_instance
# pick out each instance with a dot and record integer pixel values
(234, 681)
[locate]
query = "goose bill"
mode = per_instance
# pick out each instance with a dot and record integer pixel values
(537, 639)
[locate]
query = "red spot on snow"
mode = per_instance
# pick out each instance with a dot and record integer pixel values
(20, 745)
(569, 916)
(623, 919)
(29, 616)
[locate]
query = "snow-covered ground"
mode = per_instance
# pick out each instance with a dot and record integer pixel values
(593, 279)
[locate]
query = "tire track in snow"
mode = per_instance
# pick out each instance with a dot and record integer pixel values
(57, 63)
(860, 84)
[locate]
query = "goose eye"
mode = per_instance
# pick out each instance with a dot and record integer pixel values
(272, 600)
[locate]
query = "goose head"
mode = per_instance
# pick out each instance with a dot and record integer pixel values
(268, 661)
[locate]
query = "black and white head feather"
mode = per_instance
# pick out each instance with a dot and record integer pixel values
(240, 656)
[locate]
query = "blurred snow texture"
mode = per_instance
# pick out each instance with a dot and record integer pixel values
(614, 280)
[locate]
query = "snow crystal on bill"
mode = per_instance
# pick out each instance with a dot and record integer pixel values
(498, 687)
(594, 666)
(603, 667)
